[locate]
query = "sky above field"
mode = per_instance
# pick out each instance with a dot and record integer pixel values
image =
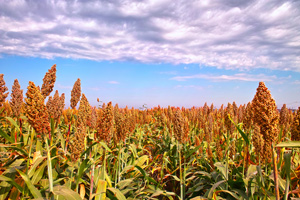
(155, 52)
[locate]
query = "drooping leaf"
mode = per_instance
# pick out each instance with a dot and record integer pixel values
(34, 191)
(289, 144)
(67, 193)
(117, 193)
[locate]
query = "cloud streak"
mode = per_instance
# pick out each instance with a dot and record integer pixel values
(235, 77)
(113, 82)
(225, 34)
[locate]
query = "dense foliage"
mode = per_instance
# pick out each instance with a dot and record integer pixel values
(233, 152)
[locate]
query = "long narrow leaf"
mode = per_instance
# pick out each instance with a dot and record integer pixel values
(3, 134)
(287, 165)
(245, 137)
(13, 122)
(117, 193)
(67, 193)
(211, 192)
(34, 191)
(289, 144)
(7, 179)
(49, 167)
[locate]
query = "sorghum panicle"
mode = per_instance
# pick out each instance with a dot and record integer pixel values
(94, 118)
(35, 110)
(295, 129)
(229, 112)
(266, 117)
(258, 143)
(3, 89)
(105, 124)
(248, 117)
(75, 93)
(16, 100)
(84, 111)
(283, 116)
(48, 81)
(77, 141)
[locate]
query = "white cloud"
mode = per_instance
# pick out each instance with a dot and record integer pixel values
(113, 82)
(296, 82)
(196, 87)
(235, 77)
(169, 72)
(224, 34)
(60, 86)
(93, 88)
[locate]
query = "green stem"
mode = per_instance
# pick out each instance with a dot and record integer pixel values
(227, 159)
(180, 172)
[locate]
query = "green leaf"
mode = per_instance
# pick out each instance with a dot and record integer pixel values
(83, 167)
(211, 192)
(124, 183)
(7, 179)
(38, 174)
(101, 190)
(289, 144)
(24, 153)
(67, 193)
(34, 191)
(105, 146)
(141, 170)
(117, 193)
(49, 166)
(193, 151)
(245, 137)
(287, 165)
(5, 187)
(222, 168)
(3, 134)
(13, 122)
(231, 193)
(31, 171)
(141, 160)
(88, 149)
(251, 172)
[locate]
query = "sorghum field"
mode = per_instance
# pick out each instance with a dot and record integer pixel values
(233, 152)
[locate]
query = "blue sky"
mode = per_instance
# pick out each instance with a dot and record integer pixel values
(155, 52)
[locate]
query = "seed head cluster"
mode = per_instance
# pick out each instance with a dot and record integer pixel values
(266, 117)
(77, 142)
(16, 101)
(3, 89)
(35, 110)
(295, 129)
(84, 111)
(48, 81)
(105, 124)
(75, 93)
(55, 105)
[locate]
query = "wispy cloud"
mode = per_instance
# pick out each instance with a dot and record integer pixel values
(59, 86)
(297, 82)
(224, 34)
(197, 87)
(169, 72)
(113, 82)
(93, 88)
(235, 77)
